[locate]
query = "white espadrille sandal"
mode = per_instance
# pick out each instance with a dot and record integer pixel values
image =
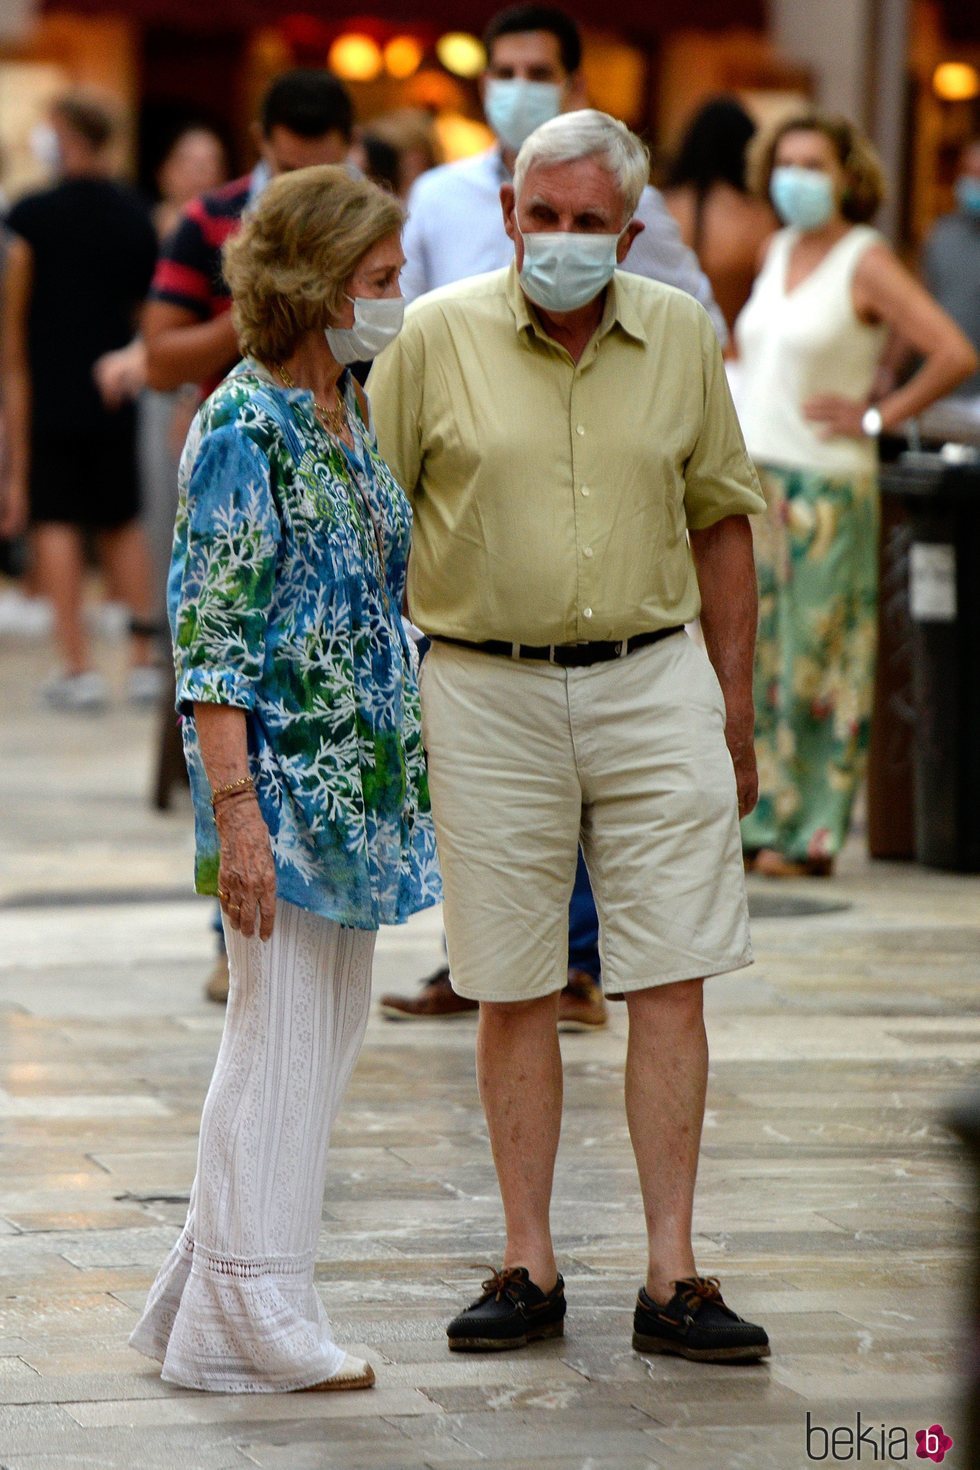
(352, 1373)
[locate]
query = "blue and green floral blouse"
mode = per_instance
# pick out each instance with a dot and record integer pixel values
(278, 607)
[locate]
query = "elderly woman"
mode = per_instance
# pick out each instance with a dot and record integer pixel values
(302, 737)
(810, 339)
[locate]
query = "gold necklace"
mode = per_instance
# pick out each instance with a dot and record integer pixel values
(334, 420)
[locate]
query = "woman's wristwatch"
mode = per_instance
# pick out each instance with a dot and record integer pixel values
(871, 425)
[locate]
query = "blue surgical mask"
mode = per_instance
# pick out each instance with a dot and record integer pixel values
(968, 194)
(564, 270)
(377, 322)
(514, 108)
(804, 197)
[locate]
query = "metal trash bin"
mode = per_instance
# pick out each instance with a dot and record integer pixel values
(891, 796)
(942, 501)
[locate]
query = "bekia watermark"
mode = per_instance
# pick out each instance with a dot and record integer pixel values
(934, 1444)
(872, 1443)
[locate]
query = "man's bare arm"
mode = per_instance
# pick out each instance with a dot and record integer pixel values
(729, 614)
(18, 284)
(180, 348)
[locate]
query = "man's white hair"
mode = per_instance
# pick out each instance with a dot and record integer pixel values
(587, 133)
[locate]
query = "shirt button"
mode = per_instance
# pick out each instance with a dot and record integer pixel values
(587, 551)
(580, 428)
(586, 490)
(586, 612)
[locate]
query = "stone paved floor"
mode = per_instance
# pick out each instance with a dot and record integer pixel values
(833, 1201)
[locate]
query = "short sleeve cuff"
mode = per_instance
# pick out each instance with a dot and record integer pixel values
(742, 502)
(215, 686)
(200, 308)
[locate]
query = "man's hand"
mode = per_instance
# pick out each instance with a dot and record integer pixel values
(120, 376)
(729, 612)
(740, 738)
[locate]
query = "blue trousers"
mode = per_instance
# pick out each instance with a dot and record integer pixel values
(583, 925)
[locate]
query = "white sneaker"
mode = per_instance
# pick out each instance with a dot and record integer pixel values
(25, 617)
(109, 620)
(86, 692)
(145, 684)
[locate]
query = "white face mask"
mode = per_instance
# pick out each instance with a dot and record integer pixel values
(804, 197)
(377, 322)
(514, 108)
(564, 270)
(45, 146)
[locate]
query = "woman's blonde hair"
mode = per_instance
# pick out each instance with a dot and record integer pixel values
(289, 265)
(865, 187)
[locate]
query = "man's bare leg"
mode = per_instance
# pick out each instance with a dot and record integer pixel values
(59, 568)
(519, 1073)
(666, 1084)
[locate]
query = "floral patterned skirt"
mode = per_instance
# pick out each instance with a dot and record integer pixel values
(817, 561)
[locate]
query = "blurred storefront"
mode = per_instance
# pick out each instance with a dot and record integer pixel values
(909, 70)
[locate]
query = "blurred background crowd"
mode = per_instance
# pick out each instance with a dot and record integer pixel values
(119, 121)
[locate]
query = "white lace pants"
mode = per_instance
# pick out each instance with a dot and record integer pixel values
(234, 1309)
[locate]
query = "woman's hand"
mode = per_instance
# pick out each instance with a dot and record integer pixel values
(837, 415)
(247, 875)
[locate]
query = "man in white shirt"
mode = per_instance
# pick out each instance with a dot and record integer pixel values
(455, 227)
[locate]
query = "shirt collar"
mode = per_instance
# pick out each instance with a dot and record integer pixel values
(618, 311)
(491, 162)
(257, 181)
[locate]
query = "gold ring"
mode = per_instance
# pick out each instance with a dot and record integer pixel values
(222, 895)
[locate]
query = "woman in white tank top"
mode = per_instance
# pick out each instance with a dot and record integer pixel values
(809, 339)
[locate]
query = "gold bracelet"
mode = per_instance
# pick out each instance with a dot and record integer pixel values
(245, 784)
(230, 799)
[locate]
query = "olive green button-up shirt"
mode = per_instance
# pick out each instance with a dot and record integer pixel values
(552, 499)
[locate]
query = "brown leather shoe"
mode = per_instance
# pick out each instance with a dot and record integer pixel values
(582, 1005)
(773, 864)
(436, 1001)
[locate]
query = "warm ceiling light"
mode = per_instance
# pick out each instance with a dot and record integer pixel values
(461, 53)
(403, 57)
(956, 81)
(355, 58)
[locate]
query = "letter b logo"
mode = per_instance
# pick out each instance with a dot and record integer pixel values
(933, 1444)
(817, 1440)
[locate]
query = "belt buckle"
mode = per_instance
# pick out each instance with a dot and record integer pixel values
(574, 660)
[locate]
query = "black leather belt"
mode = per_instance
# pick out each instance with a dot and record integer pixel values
(567, 655)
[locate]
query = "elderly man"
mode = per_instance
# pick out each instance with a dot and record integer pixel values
(561, 427)
(454, 230)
